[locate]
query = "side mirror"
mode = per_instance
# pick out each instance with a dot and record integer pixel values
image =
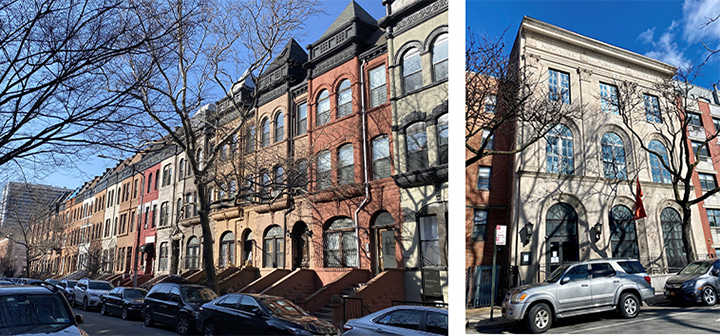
(565, 280)
(79, 319)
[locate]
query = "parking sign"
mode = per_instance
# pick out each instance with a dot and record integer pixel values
(500, 233)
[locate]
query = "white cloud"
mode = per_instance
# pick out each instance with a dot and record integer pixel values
(696, 14)
(647, 36)
(665, 49)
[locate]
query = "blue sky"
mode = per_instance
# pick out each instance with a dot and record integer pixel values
(85, 171)
(665, 30)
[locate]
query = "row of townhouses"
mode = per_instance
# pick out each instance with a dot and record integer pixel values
(360, 113)
(571, 195)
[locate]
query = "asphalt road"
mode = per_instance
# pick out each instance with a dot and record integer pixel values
(97, 324)
(651, 320)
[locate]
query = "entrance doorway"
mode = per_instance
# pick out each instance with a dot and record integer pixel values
(301, 246)
(248, 244)
(562, 241)
(383, 243)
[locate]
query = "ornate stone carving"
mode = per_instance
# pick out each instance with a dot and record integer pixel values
(334, 61)
(268, 96)
(421, 15)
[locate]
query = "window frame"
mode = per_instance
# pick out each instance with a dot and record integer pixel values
(609, 98)
(443, 42)
(705, 181)
(410, 54)
(378, 161)
(652, 108)
(279, 127)
(265, 134)
(322, 117)
(344, 108)
(345, 167)
(559, 86)
(377, 93)
(415, 131)
(565, 162)
(482, 177)
(480, 224)
(302, 122)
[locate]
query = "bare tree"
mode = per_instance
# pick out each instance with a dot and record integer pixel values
(666, 116)
(501, 93)
(215, 46)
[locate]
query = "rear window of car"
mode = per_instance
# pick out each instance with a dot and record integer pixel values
(632, 267)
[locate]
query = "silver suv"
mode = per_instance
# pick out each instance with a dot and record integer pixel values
(87, 292)
(580, 288)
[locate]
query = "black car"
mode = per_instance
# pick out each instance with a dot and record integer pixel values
(126, 301)
(175, 304)
(36, 310)
(255, 314)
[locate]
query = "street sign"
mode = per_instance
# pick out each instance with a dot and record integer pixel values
(500, 234)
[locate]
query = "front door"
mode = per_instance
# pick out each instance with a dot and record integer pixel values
(384, 249)
(577, 293)
(301, 246)
(561, 250)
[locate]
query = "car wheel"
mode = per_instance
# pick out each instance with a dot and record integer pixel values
(209, 329)
(182, 325)
(709, 295)
(125, 313)
(539, 318)
(147, 318)
(85, 304)
(103, 309)
(629, 306)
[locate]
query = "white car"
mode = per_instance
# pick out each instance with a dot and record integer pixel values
(87, 293)
(400, 320)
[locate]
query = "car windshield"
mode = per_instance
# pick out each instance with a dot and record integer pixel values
(135, 293)
(698, 267)
(18, 310)
(71, 283)
(198, 294)
(557, 273)
(100, 285)
(282, 307)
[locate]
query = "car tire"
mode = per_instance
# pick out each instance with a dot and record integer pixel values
(209, 329)
(103, 309)
(629, 305)
(182, 325)
(709, 295)
(539, 319)
(85, 305)
(125, 313)
(147, 318)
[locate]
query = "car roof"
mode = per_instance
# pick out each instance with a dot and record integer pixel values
(24, 289)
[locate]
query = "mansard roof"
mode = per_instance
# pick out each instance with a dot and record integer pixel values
(291, 52)
(349, 14)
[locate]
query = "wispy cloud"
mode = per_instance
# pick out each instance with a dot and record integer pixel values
(696, 15)
(665, 49)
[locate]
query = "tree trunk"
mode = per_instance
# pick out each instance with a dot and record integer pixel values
(207, 234)
(687, 233)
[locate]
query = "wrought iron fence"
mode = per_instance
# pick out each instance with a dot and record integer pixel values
(353, 308)
(479, 285)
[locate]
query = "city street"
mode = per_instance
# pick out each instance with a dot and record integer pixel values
(652, 320)
(97, 324)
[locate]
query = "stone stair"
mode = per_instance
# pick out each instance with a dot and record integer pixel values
(325, 312)
(77, 275)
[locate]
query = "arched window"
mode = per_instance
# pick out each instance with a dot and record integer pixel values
(164, 220)
(442, 138)
(344, 99)
(192, 253)
(412, 70)
(659, 173)
(167, 176)
(181, 169)
(163, 263)
(623, 237)
(107, 228)
(250, 139)
(274, 248)
(345, 168)
(279, 180)
(416, 141)
(279, 127)
(324, 179)
(561, 230)
(265, 135)
(672, 238)
(381, 157)
(157, 184)
(323, 108)
(227, 249)
(560, 150)
(383, 219)
(149, 182)
(341, 244)
(613, 154)
(440, 57)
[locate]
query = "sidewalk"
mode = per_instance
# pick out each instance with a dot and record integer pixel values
(480, 317)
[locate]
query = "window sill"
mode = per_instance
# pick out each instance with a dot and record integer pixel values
(420, 89)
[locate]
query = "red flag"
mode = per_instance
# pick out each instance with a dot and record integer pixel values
(639, 207)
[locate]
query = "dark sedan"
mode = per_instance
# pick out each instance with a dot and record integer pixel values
(254, 314)
(125, 301)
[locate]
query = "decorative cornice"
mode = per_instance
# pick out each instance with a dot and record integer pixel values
(417, 17)
(423, 177)
(276, 92)
(334, 61)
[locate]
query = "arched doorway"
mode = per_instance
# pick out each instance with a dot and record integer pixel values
(382, 242)
(274, 247)
(301, 245)
(672, 238)
(561, 232)
(623, 237)
(227, 249)
(248, 244)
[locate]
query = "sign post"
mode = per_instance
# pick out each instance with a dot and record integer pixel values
(500, 240)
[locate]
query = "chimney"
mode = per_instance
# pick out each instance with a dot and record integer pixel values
(716, 95)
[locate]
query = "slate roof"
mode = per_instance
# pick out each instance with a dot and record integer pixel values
(293, 51)
(352, 11)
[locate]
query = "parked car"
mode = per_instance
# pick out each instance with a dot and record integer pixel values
(697, 282)
(400, 320)
(30, 282)
(126, 301)
(6, 283)
(258, 315)
(53, 282)
(175, 304)
(87, 293)
(67, 287)
(37, 310)
(580, 288)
